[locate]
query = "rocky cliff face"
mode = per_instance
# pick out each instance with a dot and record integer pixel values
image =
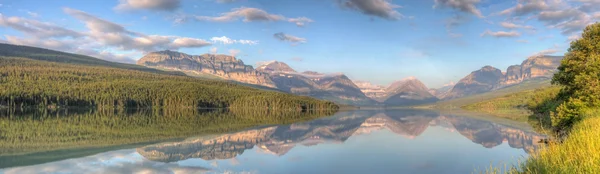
(223, 66)
(533, 68)
(480, 81)
(409, 91)
(375, 92)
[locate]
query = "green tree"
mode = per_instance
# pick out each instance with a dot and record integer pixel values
(579, 75)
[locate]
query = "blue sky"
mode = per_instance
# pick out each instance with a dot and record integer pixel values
(380, 41)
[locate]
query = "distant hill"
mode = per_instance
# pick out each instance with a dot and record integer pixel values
(8, 50)
(442, 91)
(409, 91)
(405, 92)
(480, 81)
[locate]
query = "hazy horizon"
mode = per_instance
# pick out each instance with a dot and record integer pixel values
(380, 41)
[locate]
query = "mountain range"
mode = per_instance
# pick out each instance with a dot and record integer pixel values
(341, 89)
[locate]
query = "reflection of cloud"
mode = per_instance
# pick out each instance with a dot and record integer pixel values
(214, 164)
(234, 162)
(121, 161)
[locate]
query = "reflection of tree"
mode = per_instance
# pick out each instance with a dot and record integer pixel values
(279, 140)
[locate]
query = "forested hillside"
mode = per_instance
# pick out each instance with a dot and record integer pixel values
(28, 82)
(8, 50)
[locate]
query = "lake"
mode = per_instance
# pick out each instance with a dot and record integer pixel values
(362, 141)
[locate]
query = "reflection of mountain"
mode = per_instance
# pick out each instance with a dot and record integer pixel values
(279, 140)
(491, 134)
(208, 148)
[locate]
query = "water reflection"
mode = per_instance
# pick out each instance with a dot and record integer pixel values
(279, 140)
(373, 141)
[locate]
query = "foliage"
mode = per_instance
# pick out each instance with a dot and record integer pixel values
(573, 112)
(579, 74)
(513, 105)
(576, 154)
(25, 82)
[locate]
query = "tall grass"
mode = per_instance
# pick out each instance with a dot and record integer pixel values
(578, 153)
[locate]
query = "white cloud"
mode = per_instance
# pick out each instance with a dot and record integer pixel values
(557, 16)
(526, 7)
(510, 25)
(500, 34)
(546, 52)
(214, 50)
(189, 42)
(112, 34)
(102, 38)
(120, 161)
(379, 8)
(468, 6)
(301, 21)
(36, 28)
(158, 5)
(248, 14)
(227, 41)
(565, 16)
(223, 40)
(285, 37)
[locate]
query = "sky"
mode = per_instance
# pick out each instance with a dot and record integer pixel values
(380, 41)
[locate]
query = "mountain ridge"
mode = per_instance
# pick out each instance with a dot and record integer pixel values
(489, 78)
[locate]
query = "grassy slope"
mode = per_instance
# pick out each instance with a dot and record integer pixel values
(460, 102)
(577, 154)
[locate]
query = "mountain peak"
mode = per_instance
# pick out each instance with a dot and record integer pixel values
(275, 66)
(489, 68)
(409, 81)
(410, 78)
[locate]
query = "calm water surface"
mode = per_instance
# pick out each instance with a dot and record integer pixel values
(393, 141)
